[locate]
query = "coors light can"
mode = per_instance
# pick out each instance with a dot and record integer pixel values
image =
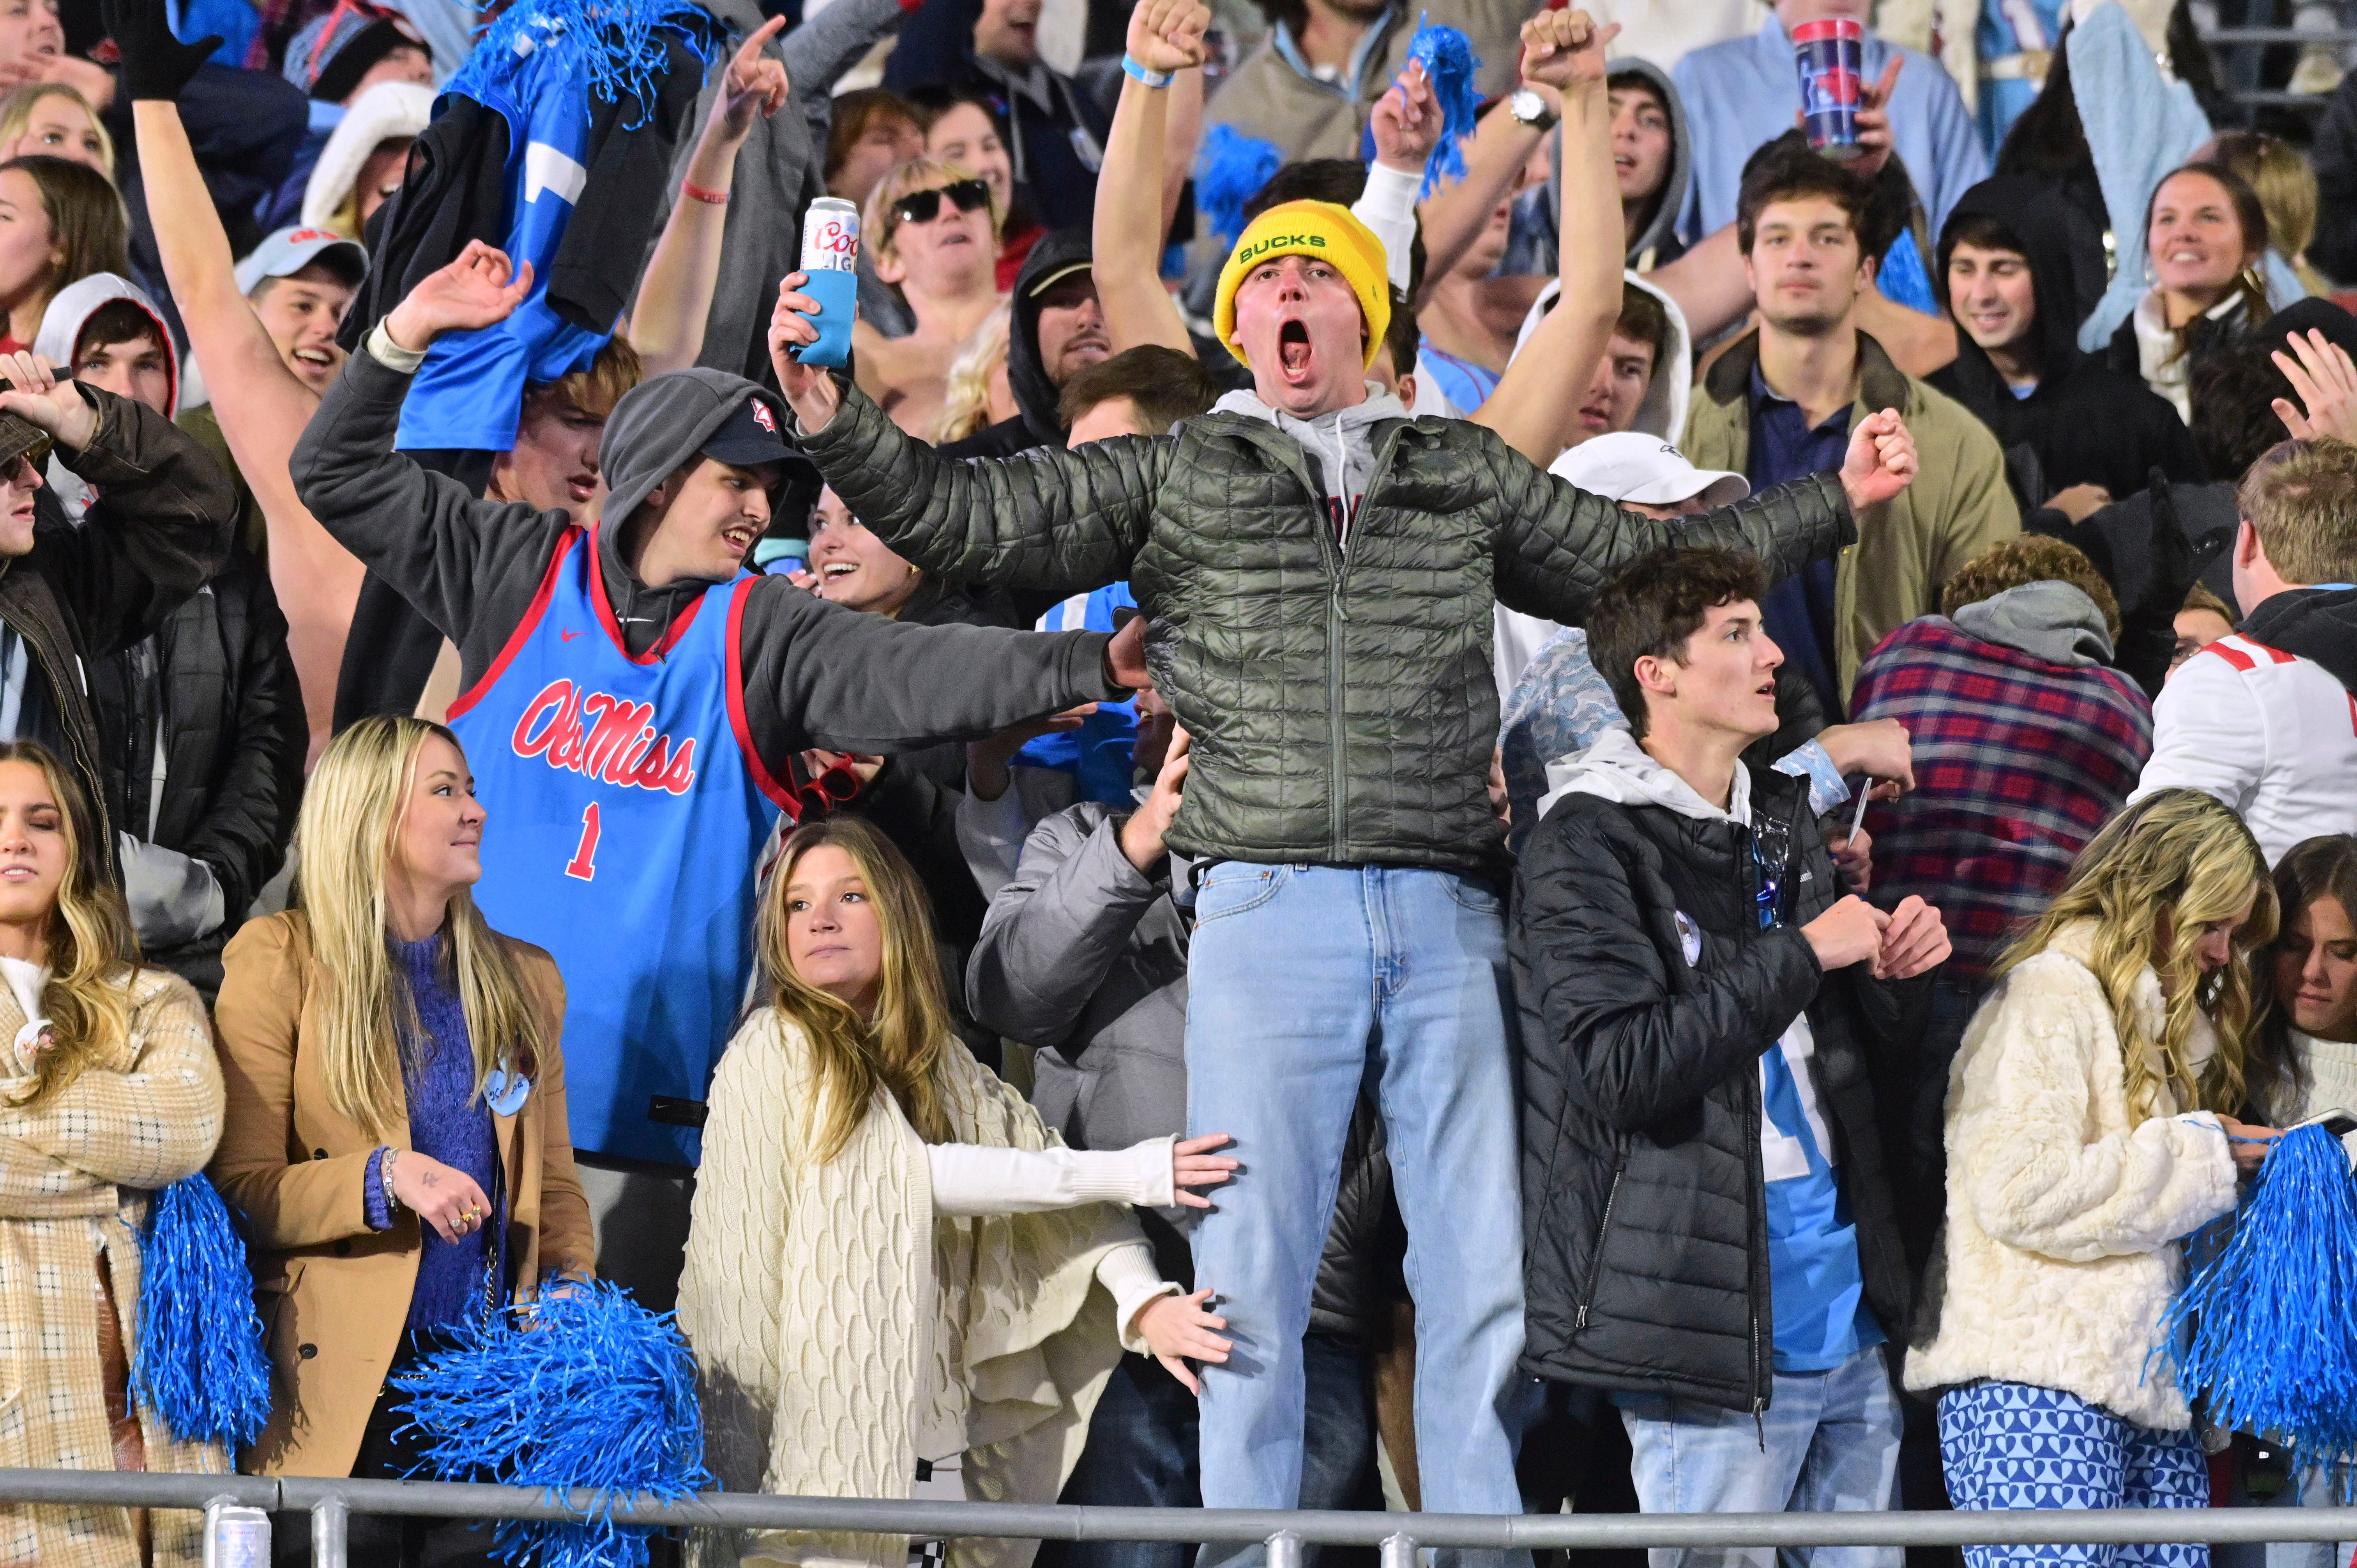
(831, 262)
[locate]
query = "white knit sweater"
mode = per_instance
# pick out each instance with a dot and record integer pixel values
(2063, 1209)
(842, 1328)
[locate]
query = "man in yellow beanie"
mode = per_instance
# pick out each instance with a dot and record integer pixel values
(1318, 570)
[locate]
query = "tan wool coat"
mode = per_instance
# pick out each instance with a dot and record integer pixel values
(75, 1175)
(1958, 506)
(333, 1294)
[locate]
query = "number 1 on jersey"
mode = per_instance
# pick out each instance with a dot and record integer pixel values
(583, 863)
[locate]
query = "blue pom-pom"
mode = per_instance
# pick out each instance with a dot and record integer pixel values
(615, 47)
(2273, 1315)
(199, 1364)
(1230, 171)
(582, 1388)
(1450, 62)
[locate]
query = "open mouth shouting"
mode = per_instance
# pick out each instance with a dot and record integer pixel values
(1293, 351)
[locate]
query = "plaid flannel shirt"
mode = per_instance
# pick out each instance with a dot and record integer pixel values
(2017, 762)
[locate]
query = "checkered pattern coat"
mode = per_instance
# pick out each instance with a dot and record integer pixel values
(74, 1179)
(2017, 762)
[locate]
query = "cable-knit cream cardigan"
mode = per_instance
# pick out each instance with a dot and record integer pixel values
(2065, 1210)
(838, 1324)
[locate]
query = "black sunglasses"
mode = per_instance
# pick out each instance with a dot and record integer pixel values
(924, 206)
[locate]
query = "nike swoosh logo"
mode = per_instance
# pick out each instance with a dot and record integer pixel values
(564, 636)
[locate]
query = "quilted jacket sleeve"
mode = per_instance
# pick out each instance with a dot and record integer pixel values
(1048, 521)
(1557, 544)
(2019, 1140)
(1641, 1048)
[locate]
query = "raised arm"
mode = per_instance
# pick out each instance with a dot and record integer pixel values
(422, 533)
(1566, 51)
(1047, 522)
(1131, 215)
(142, 1126)
(1557, 544)
(261, 405)
(675, 294)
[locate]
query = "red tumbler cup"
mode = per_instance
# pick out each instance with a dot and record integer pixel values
(1830, 55)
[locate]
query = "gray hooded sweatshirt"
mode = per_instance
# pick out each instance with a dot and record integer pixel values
(813, 674)
(2051, 620)
(1340, 445)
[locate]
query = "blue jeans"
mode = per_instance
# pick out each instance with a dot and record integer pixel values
(1827, 1442)
(2017, 1446)
(1142, 1444)
(1303, 983)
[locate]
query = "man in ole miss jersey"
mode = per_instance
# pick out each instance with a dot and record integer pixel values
(634, 703)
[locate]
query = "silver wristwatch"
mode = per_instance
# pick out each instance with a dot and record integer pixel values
(1529, 109)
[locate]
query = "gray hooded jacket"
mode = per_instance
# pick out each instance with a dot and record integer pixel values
(814, 675)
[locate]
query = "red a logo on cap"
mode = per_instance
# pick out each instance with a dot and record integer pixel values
(762, 417)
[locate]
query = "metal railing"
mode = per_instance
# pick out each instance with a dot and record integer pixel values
(330, 1504)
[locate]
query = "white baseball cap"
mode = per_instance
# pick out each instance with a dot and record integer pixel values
(1630, 466)
(289, 250)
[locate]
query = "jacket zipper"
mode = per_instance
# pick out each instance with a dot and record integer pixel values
(1596, 1262)
(1336, 614)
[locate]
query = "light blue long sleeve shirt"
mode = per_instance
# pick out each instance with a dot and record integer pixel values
(1746, 91)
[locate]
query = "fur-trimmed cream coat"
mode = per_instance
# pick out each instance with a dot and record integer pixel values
(2064, 1211)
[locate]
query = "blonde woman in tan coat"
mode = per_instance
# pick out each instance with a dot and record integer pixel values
(395, 1141)
(108, 1092)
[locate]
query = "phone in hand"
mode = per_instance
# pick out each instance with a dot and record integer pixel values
(2337, 1121)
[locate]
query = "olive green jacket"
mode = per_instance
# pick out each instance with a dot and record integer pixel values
(1959, 505)
(1342, 707)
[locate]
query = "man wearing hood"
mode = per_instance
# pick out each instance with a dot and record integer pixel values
(1712, 1233)
(635, 706)
(1057, 331)
(2266, 720)
(2006, 262)
(209, 705)
(1318, 570)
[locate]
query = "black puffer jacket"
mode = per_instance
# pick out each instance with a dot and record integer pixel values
(217, 680)
(1645, 1233)
(1342, 713)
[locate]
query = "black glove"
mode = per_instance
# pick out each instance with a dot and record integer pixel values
(155, 63)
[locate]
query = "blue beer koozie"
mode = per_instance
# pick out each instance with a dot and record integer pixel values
(837, 293)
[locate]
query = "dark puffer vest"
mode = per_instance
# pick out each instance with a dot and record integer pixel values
(1342, 706)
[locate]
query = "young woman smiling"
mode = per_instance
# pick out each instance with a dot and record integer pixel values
(892, 1259)
(108, 1091)
(932, 228)
(2204, 233)
(396, 1138)
(60, 222)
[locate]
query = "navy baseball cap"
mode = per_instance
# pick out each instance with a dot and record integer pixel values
(749, 438)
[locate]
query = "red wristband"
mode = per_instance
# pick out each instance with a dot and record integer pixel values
(716, 198)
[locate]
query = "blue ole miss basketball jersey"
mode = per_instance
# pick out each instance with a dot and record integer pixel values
(627, 811)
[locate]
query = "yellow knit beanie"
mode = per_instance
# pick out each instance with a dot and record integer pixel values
(1320, 229)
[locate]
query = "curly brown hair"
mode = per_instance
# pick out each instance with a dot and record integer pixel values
(2029, 558)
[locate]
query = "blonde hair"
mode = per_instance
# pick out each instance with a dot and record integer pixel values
(966, 409)
(16, 112)
(347, 835)
(900, 1047)
(91, 940)
(2182, 855)
(2300, 498)
(923, 172)
(2285, 183)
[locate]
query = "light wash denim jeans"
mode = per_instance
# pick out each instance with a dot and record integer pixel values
(1827, 1442)
(1303, 983)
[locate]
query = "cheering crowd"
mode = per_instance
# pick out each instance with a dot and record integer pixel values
(1442, 765)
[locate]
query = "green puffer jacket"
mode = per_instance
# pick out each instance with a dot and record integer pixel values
(1343, 710)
